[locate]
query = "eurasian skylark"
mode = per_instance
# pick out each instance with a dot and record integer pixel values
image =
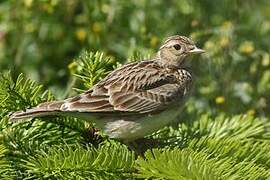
(134, 100)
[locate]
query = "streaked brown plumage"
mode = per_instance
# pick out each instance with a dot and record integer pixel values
(135, 99)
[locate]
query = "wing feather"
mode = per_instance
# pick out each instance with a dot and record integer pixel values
(137, 87)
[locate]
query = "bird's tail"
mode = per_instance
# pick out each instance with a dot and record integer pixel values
(44, 109)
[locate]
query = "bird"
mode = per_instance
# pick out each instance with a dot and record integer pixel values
(135, 99)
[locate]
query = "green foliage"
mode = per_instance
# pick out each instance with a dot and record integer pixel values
(189, 164)
(6, 171)
(65, 162)
(21, 94)
(223, 148)
(239, 127)
(44, 40)
(92, 67)
(179, 164)
(25, 139)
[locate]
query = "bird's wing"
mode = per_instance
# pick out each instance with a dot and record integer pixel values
(135, 88)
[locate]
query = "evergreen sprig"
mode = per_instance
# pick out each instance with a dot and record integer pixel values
(178, 164)
(22, 140)
(198, 165)
(75, 161)
(239, 127)
(240, 144)
(92, 67)
(6, 170)
(21, 94)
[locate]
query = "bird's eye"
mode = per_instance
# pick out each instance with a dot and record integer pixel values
(177, 47)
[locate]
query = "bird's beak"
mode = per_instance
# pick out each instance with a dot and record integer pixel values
(196, 51)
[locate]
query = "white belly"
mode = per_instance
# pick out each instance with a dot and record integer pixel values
(138, 128)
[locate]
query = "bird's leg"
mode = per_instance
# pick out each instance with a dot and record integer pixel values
(140, 146)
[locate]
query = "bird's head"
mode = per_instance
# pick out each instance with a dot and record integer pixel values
(176, 49)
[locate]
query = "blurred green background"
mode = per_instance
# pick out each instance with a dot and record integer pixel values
(42, 39)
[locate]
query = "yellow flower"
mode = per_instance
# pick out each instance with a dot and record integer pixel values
(194, 23)
(220, 100)
(96, 28)
(209, 45)
(47, 8)
(28, 3)
(81, 34)
(227, 25)
(266, 59)
(251, 112)
(247, 47)
(72, 66)
(142, 29)
(154, 41)
(253, 68)
(224, 41)
(105, 8)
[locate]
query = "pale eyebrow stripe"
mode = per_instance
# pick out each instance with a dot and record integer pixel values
(177, 37)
